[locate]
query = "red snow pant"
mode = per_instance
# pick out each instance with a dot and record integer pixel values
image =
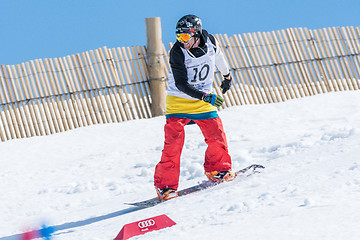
(167, 171)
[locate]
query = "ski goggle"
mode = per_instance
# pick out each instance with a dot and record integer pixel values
(183, 37)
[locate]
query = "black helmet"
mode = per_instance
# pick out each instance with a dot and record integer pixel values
(189, 24)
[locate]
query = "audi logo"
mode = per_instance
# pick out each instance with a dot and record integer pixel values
(146, 223)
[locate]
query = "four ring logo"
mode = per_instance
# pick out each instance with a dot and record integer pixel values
(146, 223)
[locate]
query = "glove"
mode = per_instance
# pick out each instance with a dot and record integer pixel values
(226, 85)
(213, 99)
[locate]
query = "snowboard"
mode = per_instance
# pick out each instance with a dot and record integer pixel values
(250, 170)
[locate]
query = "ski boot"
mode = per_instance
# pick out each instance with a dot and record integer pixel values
(222, 176)
(166, 193)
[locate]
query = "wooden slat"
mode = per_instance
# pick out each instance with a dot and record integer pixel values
(66, 100)
(269, 69)
(141, 51)
(345, 81)
(73, 101)
(236, 93)
(232, 98)
(291, 63)
(286, 65)
(310, 49)
(5, 99)
(13, 91)
(25, 81)
(114, 78)
(244, 79)
(15, 118)
(44, 79)
(306, 59)
(142, 79)
(229, 97)
(2, 127)
(336, 59)
(121, 80)
(88, 90)
(356, 48)
(46, 102)
(119, 58)
(296, 62)
(279, 65)
(72, 86)
(94, 86)
(105, 91)
(121, 71)
(351, 43)
(46, 123)
(265, 67)
(105, 100)
(4, 132)
(60, 96)
(256, 79)
(84, 89)
(317, 62)
(350, 52)
(328, 74)
(83, 110)
(22, 105)
(334, 65)
(249, 72)
(240, 93)
(59, 109)
(135, 78)
(8, 130)
(119, 109)
(301, 62)
(259, 69)
(345, 57)
(134, 73)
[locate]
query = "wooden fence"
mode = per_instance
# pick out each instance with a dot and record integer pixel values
(48, 96)
(276, 66)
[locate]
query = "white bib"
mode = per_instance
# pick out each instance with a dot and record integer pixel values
(200, 72)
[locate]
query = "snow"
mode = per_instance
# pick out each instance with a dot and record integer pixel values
(78, 181)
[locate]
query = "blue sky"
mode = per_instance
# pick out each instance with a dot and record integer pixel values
(32, 29)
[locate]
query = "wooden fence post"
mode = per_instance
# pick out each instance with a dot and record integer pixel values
(156, 66)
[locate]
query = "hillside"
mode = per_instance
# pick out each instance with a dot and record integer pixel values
(78, 181)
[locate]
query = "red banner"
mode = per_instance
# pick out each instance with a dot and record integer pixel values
(143, 226)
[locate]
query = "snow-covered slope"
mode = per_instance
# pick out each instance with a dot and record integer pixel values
(78, 181)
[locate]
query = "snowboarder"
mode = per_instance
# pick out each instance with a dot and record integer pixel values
(190, 99)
